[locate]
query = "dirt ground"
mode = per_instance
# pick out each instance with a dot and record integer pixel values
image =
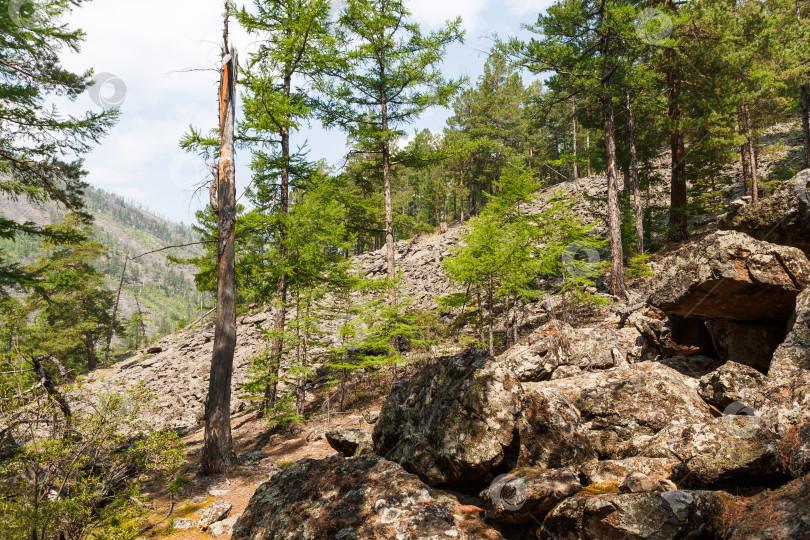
(282, 448)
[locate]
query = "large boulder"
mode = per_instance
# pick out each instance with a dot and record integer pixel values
(783, 218)
(734, 383)
(749, 344)
(355, 498)
(619, 516)
(557, 344)
(614, 471)
(464, 416)
(619, 404)
(731, 448)
(729, 275)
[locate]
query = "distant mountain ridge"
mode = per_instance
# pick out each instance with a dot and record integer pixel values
(164, 292)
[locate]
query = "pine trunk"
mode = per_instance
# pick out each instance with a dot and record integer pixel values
(574, 138)
(752, 160)
(616, 278)
(217, 452)
(678, 196)
(637, 206)
(805, 89)
(389, 207)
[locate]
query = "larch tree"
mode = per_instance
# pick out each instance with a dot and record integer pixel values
(293, 34)
(384, 72)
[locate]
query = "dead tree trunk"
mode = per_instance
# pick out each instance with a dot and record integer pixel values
(218, 449)
(115, 311)
(805, 89)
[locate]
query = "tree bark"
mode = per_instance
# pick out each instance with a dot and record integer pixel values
(588, 148)
(217, 452)
(89, 343)
(616, 279)
(678, 196)
(574, 138)
(389, 207)
(749, 128)
(639, 214)
(805, 90)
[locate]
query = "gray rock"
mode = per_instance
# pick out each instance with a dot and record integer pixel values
(461, 417)
(217, 511)
(783, 218)
(729, 448)
(183, 524)
(619, 404)
(731, 383)
(616, 471)
(517, 497)
(221, 528)
(351, 442)
(637, 482)
(357, 498)
(659, 516)
(729, 275)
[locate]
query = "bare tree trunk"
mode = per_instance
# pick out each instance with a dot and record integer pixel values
(217, 452)
(639, 214)
(89, 343)
(746, 172)
(616, 278)
(574, 139)
(749, 128)
(588, 148)
(678, 196)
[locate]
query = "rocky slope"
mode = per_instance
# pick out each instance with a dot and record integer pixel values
(687, 418)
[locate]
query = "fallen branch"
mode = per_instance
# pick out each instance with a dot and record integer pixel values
(155, 524)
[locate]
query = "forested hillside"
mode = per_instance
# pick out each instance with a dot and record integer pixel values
(578, 307)
(165, 292)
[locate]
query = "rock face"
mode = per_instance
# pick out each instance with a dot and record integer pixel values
(556, 344)
(351, 442)
(355, 498)
(462, 417)
(783, 218)
(659, 516)
(515, 498)
(751, 344)
(793, 355)
(619, 404)
(729, 275)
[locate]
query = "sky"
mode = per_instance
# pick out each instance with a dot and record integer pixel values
(158, 59)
